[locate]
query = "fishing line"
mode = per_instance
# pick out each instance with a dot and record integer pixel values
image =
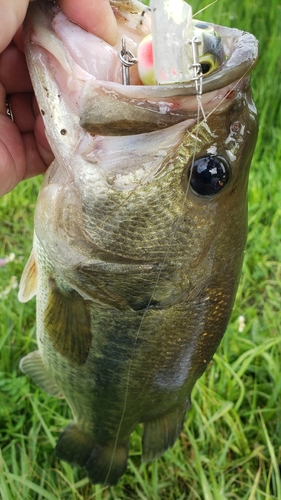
(200, 111)
(151, 297)
(204, 8)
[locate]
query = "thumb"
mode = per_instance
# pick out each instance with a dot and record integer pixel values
(95, 16)
(12, 15)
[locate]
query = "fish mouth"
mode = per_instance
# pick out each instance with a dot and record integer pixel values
(88, 74)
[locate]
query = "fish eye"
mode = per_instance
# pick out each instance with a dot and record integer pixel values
(209, 175)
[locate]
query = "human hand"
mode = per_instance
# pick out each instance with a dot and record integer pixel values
(24, 149)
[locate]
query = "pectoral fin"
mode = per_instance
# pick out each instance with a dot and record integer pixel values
(161, 433)
(28, 282)
(67, 322)
(33, 366)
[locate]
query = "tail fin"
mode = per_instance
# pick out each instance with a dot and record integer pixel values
(104, 464)
(107, 464)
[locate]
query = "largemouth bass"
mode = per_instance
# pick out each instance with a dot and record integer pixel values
(140, 228)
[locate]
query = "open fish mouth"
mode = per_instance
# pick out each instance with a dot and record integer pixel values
(88, 72)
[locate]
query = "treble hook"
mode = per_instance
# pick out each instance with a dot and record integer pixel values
(127, 59)
(197, 72)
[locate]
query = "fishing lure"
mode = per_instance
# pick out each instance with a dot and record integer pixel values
(179, 49)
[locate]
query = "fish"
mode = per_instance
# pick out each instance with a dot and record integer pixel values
(140, 229)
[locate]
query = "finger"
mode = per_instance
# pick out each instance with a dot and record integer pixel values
(95, 16)
(37, 157)
(12, 155)
(12, 16)
(27, 117)
(20, 155)
(21, 107)
(18, 39)
(2, 99)
(13, 70)
(26, 114)
(41, 141)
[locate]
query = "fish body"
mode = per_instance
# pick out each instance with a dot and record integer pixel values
(140, 229)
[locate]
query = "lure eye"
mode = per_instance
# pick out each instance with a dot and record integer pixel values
(206, 67)
(209, 175)
(209, 63)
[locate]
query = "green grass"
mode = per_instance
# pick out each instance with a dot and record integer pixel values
(230, 447)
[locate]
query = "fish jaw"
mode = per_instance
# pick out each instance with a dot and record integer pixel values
(136, 272)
